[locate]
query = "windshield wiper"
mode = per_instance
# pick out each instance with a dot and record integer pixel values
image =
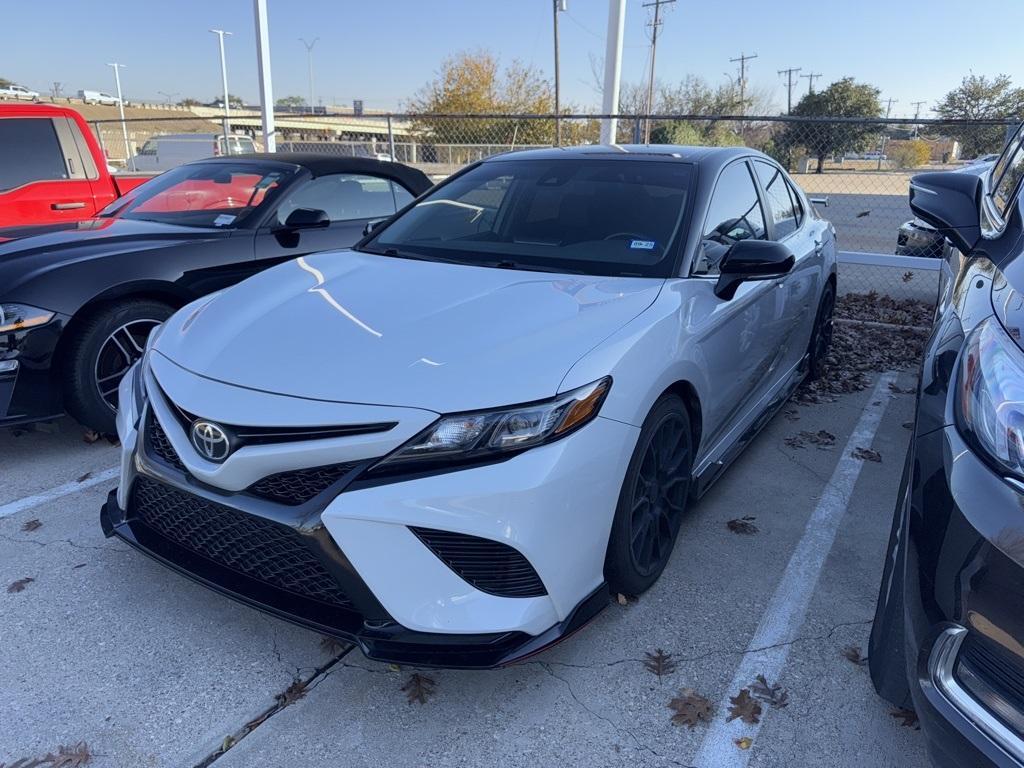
(509, 264)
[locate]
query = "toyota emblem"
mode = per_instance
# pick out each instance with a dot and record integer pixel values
(210, 440)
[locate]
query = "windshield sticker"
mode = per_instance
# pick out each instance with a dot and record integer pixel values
(642, 245)
(226, 218)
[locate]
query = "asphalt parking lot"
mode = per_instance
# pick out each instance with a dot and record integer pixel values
(104, 647)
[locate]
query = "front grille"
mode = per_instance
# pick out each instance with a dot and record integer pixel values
(254, 546)
(160, 445)
(300, 485)
(995, 667)
(488, 565)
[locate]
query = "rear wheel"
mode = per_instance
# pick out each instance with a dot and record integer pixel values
(103, 349)
(652, 501)
(821, 336)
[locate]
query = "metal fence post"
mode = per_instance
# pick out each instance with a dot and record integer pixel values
(391, 140)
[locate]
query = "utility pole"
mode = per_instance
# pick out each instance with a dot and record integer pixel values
(789, 87)
(120, 106)
(917, 114)
(612, 69)
(655, 26)
(743, 59)
(259, 12)
(888, 110)
(556, 6)
(168, 97)
(224, 77)
(309, 54)
(811, 77)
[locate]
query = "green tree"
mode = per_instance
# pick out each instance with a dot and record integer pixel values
(844, 98)
(476, 83)
(190, 102)
(908, 153)
(290, 101)
(4, 82)
(978, 98)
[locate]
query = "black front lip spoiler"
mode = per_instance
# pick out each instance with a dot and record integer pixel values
(390, 643)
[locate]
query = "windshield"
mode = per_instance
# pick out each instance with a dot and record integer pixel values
(600, 217)
(222, 195)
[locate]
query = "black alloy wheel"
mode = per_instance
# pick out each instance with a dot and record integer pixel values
(821, 336)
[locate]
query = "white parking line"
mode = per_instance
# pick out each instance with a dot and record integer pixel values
(14, 507)
(787, 608)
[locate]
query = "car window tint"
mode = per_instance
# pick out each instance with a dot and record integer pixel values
(402, 195)
(344, 196)
(778, 198)
(734, 214)
(1012, 170)
(29, 151)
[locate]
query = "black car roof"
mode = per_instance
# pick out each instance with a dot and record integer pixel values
(706, 157)
(317, 164)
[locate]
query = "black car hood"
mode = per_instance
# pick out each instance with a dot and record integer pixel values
(28, 252)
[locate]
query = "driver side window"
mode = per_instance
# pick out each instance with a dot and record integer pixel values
(734, 214)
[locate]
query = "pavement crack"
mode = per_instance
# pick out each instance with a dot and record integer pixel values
(68, 542)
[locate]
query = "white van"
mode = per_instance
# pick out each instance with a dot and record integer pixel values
(161, 153)
(97, 97)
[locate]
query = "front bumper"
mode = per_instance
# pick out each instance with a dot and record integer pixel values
(400, 599)
(963, 592)
(29, 390)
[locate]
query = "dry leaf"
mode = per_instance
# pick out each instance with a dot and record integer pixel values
(794, 441)
(821, 438)
(744, 525)
(394, 668)
(691, 708)
(19, 585)
(83, 478)
(744, 742)
(31, 525)
(908, 425)
(91, 436)
(292, 693)
(745, 707)
(659, 663)
(621, 599)
(901, 390)
(791, 414)
(419, 688)
(332, 645)
(867, 454)
(852, 654)
(775, 695)
(907, 717)
(908, 276)
(80, 565)
(70, 757)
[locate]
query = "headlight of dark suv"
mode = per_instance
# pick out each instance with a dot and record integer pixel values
(990, 397)
(18, 317)
(479, 436)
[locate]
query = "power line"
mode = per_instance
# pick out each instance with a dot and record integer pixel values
(743, 59)
(655, 26)
(811, 77)
(789, 87)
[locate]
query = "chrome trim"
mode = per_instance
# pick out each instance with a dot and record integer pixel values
(941, 663)
(922, 188)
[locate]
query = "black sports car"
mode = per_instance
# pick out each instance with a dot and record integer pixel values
(77, 301)
(948, 636)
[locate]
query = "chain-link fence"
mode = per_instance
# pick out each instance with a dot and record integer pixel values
(862, 167)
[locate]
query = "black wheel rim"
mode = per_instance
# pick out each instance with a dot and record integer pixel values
(118, 353)
(823, 333)
(659, 495)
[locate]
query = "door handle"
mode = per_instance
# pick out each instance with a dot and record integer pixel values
(66, 206)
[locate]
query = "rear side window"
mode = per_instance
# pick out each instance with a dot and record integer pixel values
(346, 197)
(780, 199)
(29, 151)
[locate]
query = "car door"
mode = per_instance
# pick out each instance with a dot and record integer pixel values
(351, 201)
(44, 178)
(739, 338)
(799, 290)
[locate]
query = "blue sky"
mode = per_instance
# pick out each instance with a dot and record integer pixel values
(382, 52)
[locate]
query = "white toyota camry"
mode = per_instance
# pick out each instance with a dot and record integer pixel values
(451, 443)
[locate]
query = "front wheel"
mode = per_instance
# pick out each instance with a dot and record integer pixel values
(103, 349)
(652, 501)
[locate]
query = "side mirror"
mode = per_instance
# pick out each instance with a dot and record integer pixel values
(372, 226)
(950, 202)
(307, 218)
(752, 260)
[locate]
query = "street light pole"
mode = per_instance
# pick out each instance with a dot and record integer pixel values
(259, 8)
(224, 77)
(556, 6)
(120, 106)
(309, 54)
(613, 69)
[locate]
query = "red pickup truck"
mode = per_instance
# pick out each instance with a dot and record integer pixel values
(52, 168)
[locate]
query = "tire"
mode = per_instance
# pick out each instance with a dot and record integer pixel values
(653, 499)
(887, 650)
(102, 349)
(821, 336)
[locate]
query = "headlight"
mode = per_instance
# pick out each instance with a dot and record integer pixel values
(990, 393)
(17, 317)
(482, 435)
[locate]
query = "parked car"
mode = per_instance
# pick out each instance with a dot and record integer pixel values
(948, 634)
(78, 300)
(452, 442)
(98, 97)
(52, 169)
(161, 153)
(18, 93)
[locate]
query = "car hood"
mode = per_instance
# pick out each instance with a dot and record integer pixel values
(352, 327)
